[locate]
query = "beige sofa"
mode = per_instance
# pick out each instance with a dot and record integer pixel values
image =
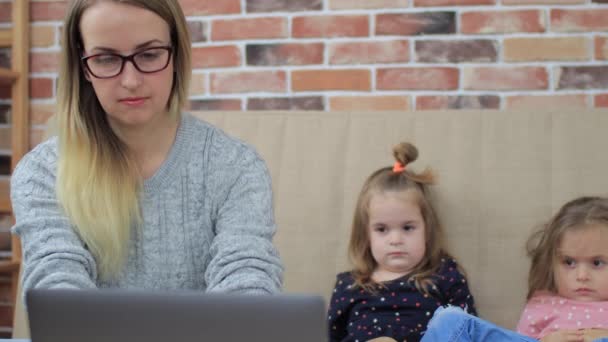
(500, 175)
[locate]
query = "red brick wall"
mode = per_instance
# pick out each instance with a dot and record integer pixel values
(371, 54)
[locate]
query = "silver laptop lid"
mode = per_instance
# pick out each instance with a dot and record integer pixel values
(146, 316)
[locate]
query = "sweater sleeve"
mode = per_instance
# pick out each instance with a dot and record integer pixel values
(243, 257)
(531, 323)
(54, 256)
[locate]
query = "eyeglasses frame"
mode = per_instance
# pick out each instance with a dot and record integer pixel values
(125, 59)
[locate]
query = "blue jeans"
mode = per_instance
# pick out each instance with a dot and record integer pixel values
(452, 324)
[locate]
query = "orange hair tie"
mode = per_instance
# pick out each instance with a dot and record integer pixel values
(398, 167)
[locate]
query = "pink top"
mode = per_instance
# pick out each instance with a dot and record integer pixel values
(545, 313)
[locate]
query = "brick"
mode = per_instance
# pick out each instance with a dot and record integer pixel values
(207, 7)
(41, 87)
(248, 82)
(285, 54)
(197, 31)
(215, 104)
(198, 84)
(367, 4)
(409, 24)
(505, 78)
(6, 12)
(601, 48)
(47, 10)
(40, 113)
(256, 6)
(490, 22)
(249, 28)
(456, 51)
(286, 103)
(365, 103)
(582, 77)
(216, 56)
(543, 2)
(319, 80)
(546, 49)
(457, 102)
(428, 3)
(42, 36)
(396, 51)
(601, 101)
(44, 62)
(417, 78)
(579, 20)
(328, 26)
(545, 101)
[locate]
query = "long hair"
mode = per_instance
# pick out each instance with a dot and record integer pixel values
(97, 180)
(543, 245)
(383, 180)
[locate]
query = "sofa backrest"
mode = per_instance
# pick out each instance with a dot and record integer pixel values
(500, 175)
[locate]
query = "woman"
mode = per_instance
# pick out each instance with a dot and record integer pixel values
(133, 193)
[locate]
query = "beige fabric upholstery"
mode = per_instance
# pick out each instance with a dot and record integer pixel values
(500, 175)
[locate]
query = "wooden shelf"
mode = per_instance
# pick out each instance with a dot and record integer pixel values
(8, 77)
(5, 201)
(9, 266)
(6, 38)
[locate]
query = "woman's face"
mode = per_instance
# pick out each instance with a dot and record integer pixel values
(131, 98)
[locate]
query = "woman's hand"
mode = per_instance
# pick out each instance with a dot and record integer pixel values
(565, 336)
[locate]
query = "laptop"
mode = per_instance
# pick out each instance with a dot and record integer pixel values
(147, 316)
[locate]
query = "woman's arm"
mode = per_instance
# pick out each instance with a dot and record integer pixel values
(244, 258)
(53, 255)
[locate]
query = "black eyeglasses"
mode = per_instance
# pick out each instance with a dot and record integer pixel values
(108, 65)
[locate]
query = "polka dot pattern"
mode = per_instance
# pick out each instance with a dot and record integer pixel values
(397, 310)
(545, 313)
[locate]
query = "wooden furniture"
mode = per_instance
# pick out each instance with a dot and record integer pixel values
(17, 39)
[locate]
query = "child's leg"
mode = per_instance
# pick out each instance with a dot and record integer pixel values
(452, 324)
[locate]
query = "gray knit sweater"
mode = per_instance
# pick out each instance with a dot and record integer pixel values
(208, 221)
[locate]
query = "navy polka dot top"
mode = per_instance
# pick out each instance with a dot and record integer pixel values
(397, 310)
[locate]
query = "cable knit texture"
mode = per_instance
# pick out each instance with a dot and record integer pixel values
(208, 221)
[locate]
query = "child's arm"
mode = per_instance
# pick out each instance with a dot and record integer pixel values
(531, 319)
(455, 288)
(594, 334)
(565, 336)
(339, 308)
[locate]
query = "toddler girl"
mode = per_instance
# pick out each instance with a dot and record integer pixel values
(402, 271)
(568, 284)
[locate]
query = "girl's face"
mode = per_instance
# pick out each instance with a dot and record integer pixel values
(131, 98)
(581, 268)
(397, 234)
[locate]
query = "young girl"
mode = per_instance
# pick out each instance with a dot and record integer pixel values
(402, 271)
(568, 284)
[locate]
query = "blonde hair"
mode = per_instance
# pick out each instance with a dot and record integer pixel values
(382, 180)
(543, 245)
(97, 181)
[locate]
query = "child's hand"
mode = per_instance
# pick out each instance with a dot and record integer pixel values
(565, 336)
(594, 334)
